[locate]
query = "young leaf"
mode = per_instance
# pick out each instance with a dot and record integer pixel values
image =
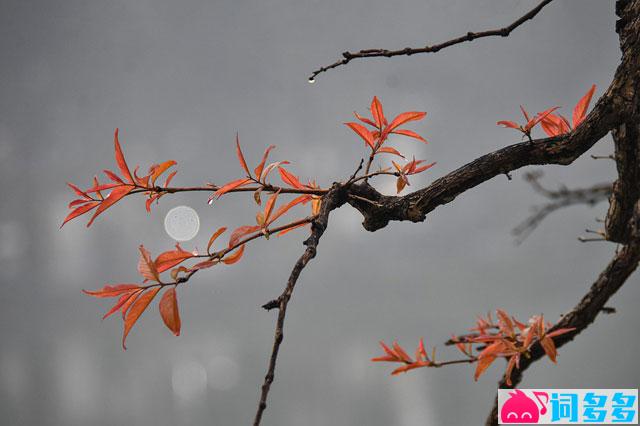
(409, 133)
(169, 259)
(230, 186)
(243, 163)
(581, 107)
(112, 290)
(289, 178)
(378, 115)
(169, 311)
(258, 169)
(123, 299)
(114, 196)
(159, 169)
(138, 307)
(215, 235)
(363, 133)
(146, 266)
(80, 211)
(122, 164)
(240, 232)
(403, 118)
(389, 150)
(235, 257)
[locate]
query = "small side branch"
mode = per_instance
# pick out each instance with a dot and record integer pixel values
(331, 201)
(558, 199)
(408, 51)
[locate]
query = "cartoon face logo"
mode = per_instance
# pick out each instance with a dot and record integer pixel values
(519, 408)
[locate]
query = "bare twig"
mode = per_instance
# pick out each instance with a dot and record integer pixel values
(332, 200)
(408, 51)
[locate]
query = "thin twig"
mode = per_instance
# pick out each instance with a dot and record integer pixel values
(470, 36)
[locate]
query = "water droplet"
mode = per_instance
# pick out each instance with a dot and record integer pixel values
(210, 201)
(312, 80)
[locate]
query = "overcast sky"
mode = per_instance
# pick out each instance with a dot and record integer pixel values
(180, 79)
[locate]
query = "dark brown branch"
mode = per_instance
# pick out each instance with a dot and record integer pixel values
(585, 312)
(563, 197)
(332, 200)
(408, 51)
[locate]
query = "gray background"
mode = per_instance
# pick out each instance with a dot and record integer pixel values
(179, 79)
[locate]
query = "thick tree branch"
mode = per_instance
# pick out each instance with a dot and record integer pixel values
(332, 200)
(408, 51)
(585, 312)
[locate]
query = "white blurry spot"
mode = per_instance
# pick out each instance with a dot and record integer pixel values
(14, 376)
(224, 373)
(77, 379)
(13, 240)
(188, 381)
(413, 406)
(182, 223)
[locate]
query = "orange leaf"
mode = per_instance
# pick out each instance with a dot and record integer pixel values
(283, 209)
(123, 299)
(230, 186)
(240, 232)
(483, 364)
(268, 208)
(169, 259)
(114, 196)
(136, 310)
(243, 163)
(159, 169)
(549, 348)
(409, 133)
(171, 175)
(581, 107)
(378, 115)
(214, 236)
(80, 211)
(510, 124)
(230, 260)
(289, 178)
(363, 133)
(112, 290)
(286, 231)
(115, 178)
(364, 119)
(146, 266)
(169, 311)
(78, 190)
(130, 301)
(389, 150)
(258, 169)
(122, 164)
(405, 117)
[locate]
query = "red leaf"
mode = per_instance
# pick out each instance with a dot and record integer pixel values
(150, 200)
(483, 364)
(243, 163)
(540, 116)
(509, 124)
(171, 175)
(122, 164)
(138, 307)
(159, 169)
(230, 260)
(114, 196)
(114, 177)
(409, 133)
(169, 259)
(389, 150)
(268, 208)
(364, 119)
(112, 290)
(214, 237)
(230, 186)
(549, 348)
(286, 231)
(283, 209)
(363, 133)
(378, 114)
(289, 178)
(581, 107)
(240, 232)
(78, 190)
(146, 266)
(169, 311)
(405, 117)
(123, 299)
(258, 170)
(80, 211)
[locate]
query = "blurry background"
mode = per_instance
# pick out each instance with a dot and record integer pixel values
(179, 79)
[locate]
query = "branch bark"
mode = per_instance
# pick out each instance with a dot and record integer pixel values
(332, 200)
(408, 51)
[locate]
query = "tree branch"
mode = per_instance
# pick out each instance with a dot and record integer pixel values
(408, 51)
(332, 200)
(560, 198)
